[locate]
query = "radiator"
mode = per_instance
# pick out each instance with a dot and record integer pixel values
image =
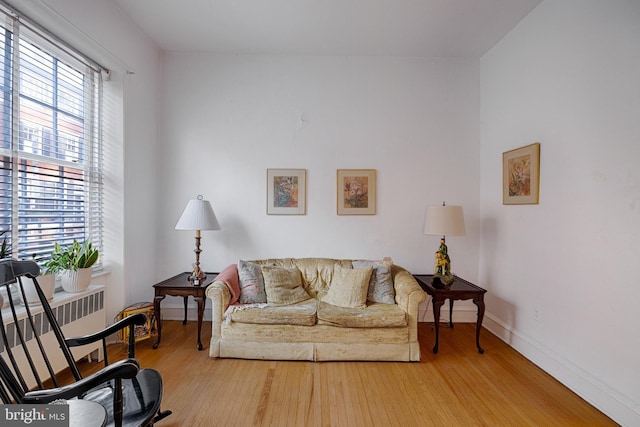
(78, 314)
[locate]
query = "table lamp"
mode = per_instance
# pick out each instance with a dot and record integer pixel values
(442, 221)
(198, 215)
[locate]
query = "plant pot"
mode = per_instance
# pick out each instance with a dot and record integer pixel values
(75, 280)
(47, 283)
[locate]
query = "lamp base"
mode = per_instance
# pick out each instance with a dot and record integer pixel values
(197, 277)
(442, 282)
(442, 266)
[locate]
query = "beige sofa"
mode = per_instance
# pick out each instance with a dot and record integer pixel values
(310, 326)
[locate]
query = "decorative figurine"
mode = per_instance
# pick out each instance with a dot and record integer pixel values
(442, 267)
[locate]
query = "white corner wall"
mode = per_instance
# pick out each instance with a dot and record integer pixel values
(226, 119)
(562, 276)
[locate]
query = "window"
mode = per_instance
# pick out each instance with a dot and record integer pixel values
(50, 142)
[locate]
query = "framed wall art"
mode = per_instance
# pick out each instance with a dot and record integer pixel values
(356, 191)
(286, 191)
(521, 175)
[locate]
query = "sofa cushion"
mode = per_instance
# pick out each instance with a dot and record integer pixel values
(302, 313)
(317, 273)
(283, 286)
(349, 287)
(381, 283)
(375, 315)
(251, 283)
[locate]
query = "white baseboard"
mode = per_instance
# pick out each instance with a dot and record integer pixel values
(612, 403)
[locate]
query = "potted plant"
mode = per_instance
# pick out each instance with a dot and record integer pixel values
(74, 264)
(46, 280)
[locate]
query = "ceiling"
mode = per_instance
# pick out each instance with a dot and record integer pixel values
(424, 28)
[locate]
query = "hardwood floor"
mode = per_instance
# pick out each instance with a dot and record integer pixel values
(456, 387)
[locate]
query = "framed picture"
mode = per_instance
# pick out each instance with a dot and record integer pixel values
(356, 191)
(286, 191)
(521, 175)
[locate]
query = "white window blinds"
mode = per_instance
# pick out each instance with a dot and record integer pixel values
(50, 142)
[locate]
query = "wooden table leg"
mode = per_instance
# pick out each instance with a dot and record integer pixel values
(451, 312)
(437, 303)
(184, 322)
(156, 311)
(201, 303)
(479, 301)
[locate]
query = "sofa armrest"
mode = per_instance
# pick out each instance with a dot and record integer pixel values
(408, 291)
(408, 296)
(220, 296)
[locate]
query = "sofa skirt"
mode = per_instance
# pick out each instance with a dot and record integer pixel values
(316, 352)
(235, 331)
(267, 350)
(313, 343)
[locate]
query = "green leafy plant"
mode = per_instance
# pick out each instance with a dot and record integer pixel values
(78, 255)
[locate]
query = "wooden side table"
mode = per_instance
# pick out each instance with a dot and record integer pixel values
(460, 289)
(179, 286)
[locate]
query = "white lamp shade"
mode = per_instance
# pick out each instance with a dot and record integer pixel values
(198, 215)
(444, 221)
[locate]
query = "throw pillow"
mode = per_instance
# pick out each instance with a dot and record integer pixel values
(283, 286)
(348, 287)
(251, 283)
(381, 284)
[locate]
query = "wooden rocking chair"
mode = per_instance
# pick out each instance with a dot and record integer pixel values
(130, 395)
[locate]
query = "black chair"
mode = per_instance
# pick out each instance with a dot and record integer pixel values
(130, 395)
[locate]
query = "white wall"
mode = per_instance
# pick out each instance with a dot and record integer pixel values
(562, 276)
(227, 118)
